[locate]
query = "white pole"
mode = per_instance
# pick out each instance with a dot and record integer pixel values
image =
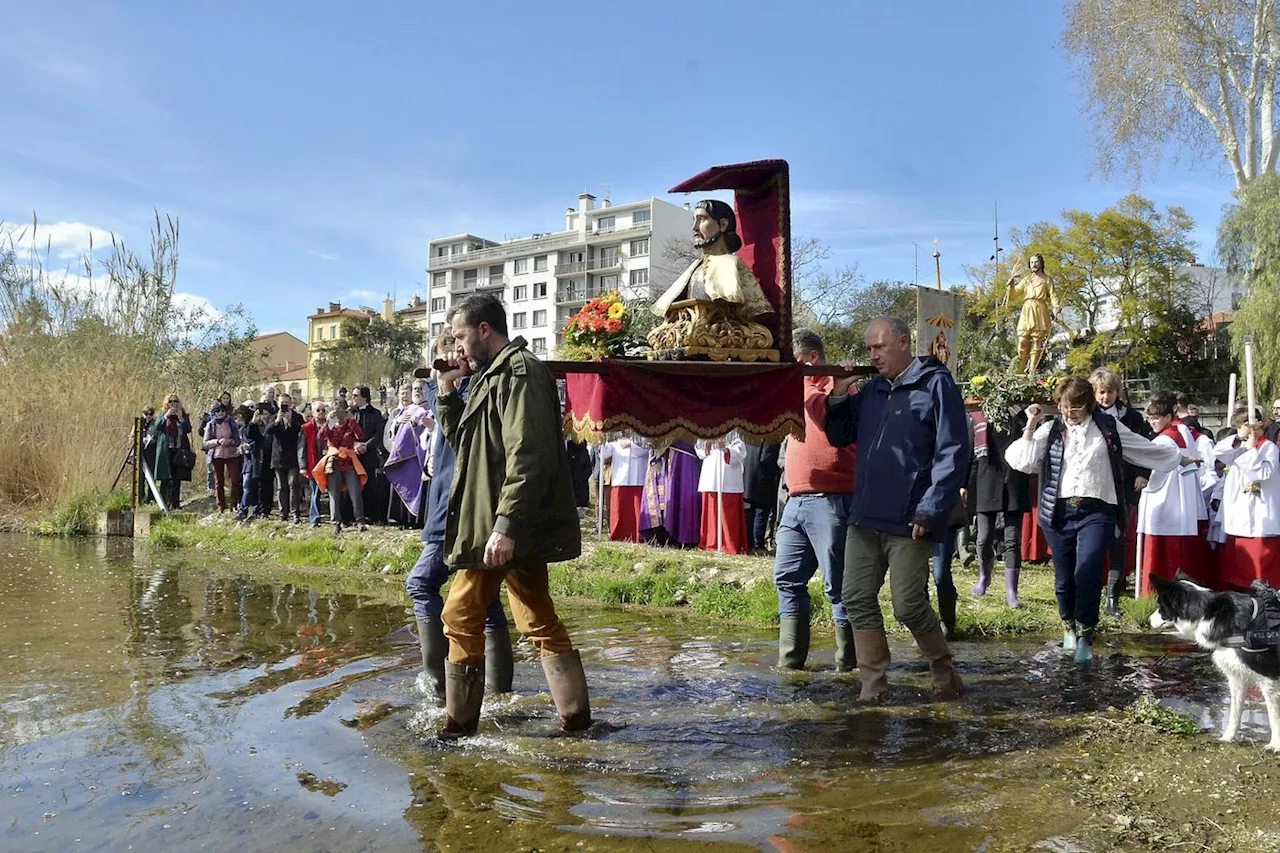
(1137, 569)
(1231, 398)
(720, 506)
(1248, 375)
(600, 493)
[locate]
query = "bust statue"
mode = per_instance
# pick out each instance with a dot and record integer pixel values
(1036, 320)
(710, 310)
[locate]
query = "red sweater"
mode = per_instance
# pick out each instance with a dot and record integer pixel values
(812, 464)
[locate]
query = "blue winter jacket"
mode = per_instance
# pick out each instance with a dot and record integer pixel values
(913, 448)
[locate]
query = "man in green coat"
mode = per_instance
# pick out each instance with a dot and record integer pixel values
(511, 511)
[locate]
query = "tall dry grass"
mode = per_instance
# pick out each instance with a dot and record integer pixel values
(85, 349)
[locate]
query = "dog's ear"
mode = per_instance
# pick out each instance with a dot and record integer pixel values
(1181, 575)
(1162, 584)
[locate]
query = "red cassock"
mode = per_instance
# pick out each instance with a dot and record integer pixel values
(734, 531)
(1245, 559)
(624, 513)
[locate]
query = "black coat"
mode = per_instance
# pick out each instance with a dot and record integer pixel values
(1138, 424)
(760, 475)
(285, 443)
(371, 423)
(997, 487)
(580, 471)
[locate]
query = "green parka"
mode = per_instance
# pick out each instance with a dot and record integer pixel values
(512, 469)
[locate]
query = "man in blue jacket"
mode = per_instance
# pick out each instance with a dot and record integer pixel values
(911, 430)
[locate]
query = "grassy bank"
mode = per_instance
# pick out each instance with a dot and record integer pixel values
(738, 589)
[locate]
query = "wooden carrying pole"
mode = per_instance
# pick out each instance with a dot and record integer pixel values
(1248, 376)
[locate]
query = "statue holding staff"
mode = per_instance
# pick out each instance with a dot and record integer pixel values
(1039, 304)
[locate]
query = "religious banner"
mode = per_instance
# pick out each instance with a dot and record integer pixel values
(938, 324)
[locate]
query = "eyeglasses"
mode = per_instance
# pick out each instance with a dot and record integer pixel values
(1072, 410)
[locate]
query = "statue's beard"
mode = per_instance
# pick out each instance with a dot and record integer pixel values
(701, 242)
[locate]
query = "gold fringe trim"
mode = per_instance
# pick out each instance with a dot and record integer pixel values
(622, 425)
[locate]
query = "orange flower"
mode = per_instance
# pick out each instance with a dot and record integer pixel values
(613, 325)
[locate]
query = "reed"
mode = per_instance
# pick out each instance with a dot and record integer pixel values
(84, 349)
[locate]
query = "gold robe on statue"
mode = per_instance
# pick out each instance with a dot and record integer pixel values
(725, 278)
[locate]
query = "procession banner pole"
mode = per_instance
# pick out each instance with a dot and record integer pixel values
(720, 512)
(1137, 587)
(1231, 398)
(1248, 375)
(600, 493)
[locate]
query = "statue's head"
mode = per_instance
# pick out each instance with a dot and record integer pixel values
(712, 220)
(1035, 263)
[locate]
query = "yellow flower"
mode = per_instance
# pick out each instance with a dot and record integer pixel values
(978, 381)
(616, 310)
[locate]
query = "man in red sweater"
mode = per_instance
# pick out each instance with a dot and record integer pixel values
(812, 529)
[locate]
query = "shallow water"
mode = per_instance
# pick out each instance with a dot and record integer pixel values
(159, 701)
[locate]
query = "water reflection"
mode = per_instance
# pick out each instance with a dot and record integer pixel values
(147, 699)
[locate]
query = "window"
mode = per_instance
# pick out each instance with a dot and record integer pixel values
(518, 320)
(469, 278)
(639, 247)
(540, 318)
(639, 277)
(520, 292)
(608, 282)
(333, 330)
(640, 217)
(539, 346)
(607, 256)
(438, 280)
(604, 224)
(437, 303)
(540, 263)
(522, 266)
(540, 290)
(437, 329)
(442, 251)
(319, 333)
(495, 272)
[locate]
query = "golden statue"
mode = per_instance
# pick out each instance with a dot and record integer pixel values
(711, 308)
(1039, 304)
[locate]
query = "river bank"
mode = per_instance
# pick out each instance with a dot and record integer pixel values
(731, 588)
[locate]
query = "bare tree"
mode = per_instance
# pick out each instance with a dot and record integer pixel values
(1199, 72)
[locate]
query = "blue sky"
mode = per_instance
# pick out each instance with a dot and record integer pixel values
(312, 149)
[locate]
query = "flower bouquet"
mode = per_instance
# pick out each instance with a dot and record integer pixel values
(599, 329)
(999, 392)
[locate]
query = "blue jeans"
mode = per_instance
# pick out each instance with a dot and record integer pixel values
(315, 502)
(757, 525)
(248, 487)
(811, 535)
(1079, 541)
(944, 552)
(425, 580)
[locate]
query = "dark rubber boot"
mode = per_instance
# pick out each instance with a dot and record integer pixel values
(947, 614)
(946, 681)
(463, 696)
(499, 665)
(435, 649)
(873, 663)
(793, 642)
(1011, 577)
(568, 685)
(1115, 589)
(846, 649)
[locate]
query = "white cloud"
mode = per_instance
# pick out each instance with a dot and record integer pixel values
(324, 256)
(64, 241)
(366, 296)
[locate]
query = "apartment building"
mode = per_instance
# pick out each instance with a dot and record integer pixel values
(545, 278)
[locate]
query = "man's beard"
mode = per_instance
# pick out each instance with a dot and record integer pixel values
(701, 242)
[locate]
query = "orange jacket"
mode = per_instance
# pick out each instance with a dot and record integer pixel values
(321, 473)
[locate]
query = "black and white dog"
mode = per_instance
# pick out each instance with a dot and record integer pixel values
(1233, 625)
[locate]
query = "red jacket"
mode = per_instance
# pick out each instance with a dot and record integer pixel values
(316, 442)
(346, 436)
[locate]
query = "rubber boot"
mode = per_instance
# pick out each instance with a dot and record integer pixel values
(1068, 636)
(793, 642)
(568, 685)
(947, 614)
(846, 649)
(463, 695)
(946, 681)
(435, 649)
(1115, 589)
(1084, 645)
(984, 577)
(1011, 588)
(499, 665)
(872, 648)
